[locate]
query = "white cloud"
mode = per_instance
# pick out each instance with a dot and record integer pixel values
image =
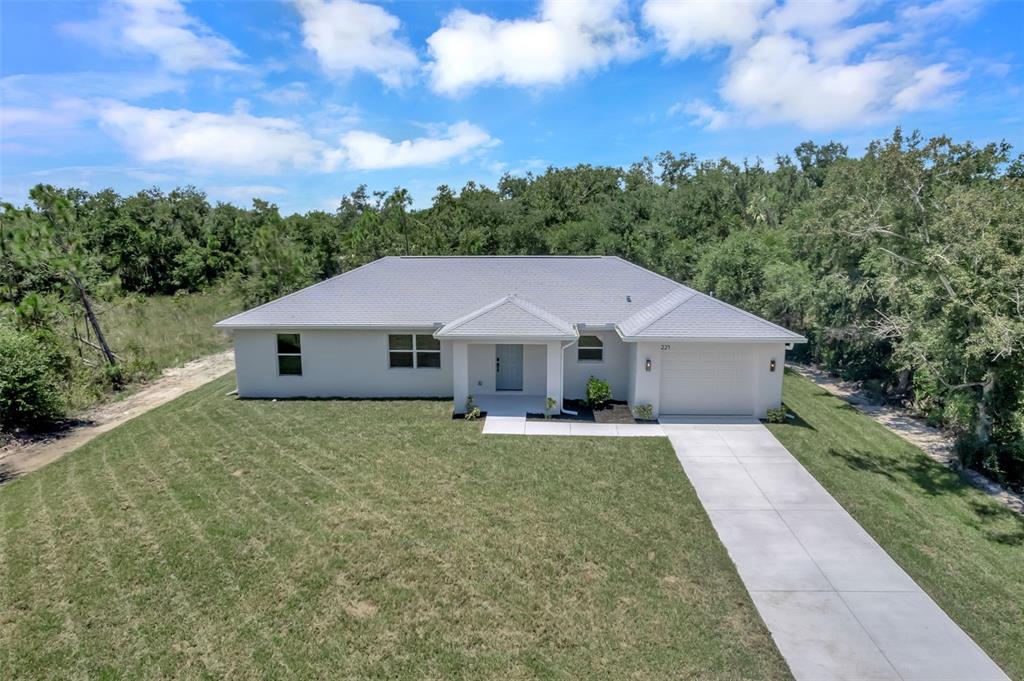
(261, 145)
(290, 93)
(805, 63)
(369, 151)
(239, 141)
(563, 41)
(927, 88)
(688, 26)
(161, 28)
(348, 36)
(703, 114)
(778, 80)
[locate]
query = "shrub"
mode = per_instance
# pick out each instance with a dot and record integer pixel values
(777, 415)
(549, 407)
(30, 385)
(1002, 461)
(644, 412)
(598, 392)
(472, 412)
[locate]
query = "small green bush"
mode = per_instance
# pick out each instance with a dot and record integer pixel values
(644, 412)
(549, 407)
(472, 412)
(598, 392)
(30, 384)
(777, 415)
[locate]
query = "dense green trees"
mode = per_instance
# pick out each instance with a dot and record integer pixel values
(903, 267)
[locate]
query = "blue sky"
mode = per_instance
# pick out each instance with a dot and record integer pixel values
(300, 102)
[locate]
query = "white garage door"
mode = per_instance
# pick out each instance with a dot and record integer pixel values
(707, 381)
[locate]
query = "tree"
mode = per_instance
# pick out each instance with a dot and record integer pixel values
(48, 240)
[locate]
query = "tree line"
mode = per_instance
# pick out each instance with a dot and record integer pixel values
(904, 267)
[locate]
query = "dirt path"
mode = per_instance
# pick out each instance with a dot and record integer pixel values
(936, 443)
(19, 459)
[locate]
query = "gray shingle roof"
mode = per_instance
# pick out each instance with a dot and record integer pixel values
(510, 316)
(430, 292)
(686, 313)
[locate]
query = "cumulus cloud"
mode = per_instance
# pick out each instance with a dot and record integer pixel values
(564, 40)
(350, 36)
(161, 28)
(239, 140)
(263, 145)
(369, 151)
(687, 26)
(805, 63)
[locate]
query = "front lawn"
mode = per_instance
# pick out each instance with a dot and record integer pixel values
(343, 539)
(965, 549)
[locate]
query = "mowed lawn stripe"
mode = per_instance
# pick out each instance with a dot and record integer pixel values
(381, 539)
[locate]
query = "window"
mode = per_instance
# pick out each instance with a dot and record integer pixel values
(289, 354)
(590, 349)
(421, 351)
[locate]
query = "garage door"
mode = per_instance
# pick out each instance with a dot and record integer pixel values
(706, 381)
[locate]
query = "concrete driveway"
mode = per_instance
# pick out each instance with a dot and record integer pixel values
(837, 605)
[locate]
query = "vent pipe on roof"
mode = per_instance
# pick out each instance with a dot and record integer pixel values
(629, 299)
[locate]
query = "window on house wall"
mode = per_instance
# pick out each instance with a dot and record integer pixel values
(590, 349)
(289, 354)
(408, 351)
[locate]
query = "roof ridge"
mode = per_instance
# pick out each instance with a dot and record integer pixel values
(682, 290)
(556, 323)
(549, 318)
(749, 314)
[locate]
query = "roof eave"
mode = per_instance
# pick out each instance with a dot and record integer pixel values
(710, 339)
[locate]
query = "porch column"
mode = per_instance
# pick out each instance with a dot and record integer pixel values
(554, 373)
(460, 375)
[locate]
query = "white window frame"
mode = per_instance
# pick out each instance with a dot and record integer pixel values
(415, 350)
(600, 347)
(288, 354)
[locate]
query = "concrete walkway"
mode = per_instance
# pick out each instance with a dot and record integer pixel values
(837, 605)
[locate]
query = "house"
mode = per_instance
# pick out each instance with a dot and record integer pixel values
(530, 327)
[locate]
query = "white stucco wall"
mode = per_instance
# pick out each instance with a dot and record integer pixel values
(335, 364)
(614, 368)
(766, 385)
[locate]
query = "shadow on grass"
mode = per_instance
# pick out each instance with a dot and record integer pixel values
(998, 524)
(989, 514)
(797, 420)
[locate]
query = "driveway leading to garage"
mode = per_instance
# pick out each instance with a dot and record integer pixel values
(837, 605)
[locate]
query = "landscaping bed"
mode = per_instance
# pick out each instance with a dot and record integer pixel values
(613, 411)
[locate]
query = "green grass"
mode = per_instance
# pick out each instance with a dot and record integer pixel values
(153, 333)
(357, 539)
(965, 549)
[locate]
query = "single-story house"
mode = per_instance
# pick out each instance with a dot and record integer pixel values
(525, 326)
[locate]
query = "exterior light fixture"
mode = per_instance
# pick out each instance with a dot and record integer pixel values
(647, 365)
(771, 365)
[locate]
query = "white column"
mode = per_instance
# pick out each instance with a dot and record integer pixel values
(554, 374)
(460, 375)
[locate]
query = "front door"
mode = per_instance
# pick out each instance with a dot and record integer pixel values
(508, 367)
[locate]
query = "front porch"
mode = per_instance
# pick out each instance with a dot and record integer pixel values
(507, 379)
(510, 404)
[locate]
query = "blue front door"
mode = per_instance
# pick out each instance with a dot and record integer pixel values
(508, 367)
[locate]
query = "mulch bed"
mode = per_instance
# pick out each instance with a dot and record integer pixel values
(615, 411)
